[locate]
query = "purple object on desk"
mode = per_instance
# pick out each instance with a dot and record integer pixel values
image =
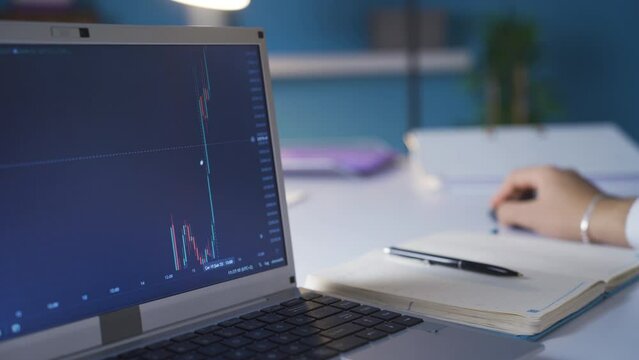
(335, 160)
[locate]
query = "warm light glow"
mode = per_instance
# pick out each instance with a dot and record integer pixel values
(217, 4)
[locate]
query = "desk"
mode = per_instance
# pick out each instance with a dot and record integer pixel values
(342, 218)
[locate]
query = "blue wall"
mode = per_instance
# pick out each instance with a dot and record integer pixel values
(139, 12)
(588, 55)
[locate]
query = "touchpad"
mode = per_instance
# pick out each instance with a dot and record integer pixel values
(449, 342)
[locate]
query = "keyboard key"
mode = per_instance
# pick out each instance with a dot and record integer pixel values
(237, 342)
(262, 346)
(347, 343)
(371, 334)
(310, 295)
(132, 353)
(159, 354)
(315, 340)
(239, 354)
(273, 308)
(386, 315)
(250, 325)
(184, 337)
(279, 327)
(213, 350)
(251, 315)
(326, 300)
(271, 318)
(183, 347)
(322, 353)
(229, 332)
(283, 339)
(341, 331)
(305, 331)
(189, 356)
(323, 312)
(230, 322)
(294, 349)
(407, 320)
(305, 356)
(365, 309)
(300, 320)
(208, 329)
(345, 304)
(299, 309)
(390, 328)
(159, 345)
(272, 355)
(368, 321)
(335, 320)
(208, 339)
(292, 302)
(259, 334)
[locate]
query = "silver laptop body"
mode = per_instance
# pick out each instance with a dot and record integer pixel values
(141, 194)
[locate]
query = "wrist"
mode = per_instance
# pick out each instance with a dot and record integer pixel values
(608, 221)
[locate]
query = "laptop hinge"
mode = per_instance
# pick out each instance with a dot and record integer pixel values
(120, 325)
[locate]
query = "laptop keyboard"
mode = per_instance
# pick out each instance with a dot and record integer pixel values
(312, 326)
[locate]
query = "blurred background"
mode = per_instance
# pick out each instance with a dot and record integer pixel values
(346, 68)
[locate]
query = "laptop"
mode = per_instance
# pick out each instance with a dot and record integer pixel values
(143, 213)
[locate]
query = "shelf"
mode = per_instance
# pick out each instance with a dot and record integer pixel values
(358, 64)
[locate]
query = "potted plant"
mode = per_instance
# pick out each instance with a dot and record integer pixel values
(504, 77)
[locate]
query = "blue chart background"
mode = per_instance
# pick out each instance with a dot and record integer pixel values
(88, 226)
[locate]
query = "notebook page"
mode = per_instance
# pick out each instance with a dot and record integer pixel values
(524, 253)
(530, 296)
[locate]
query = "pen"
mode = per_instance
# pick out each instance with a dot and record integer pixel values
(452, 262)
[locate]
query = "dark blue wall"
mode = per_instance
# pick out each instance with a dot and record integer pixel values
(589, 58)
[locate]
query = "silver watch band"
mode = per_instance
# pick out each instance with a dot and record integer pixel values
(584, 225)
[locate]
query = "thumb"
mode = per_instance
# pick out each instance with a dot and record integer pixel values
(516, 213)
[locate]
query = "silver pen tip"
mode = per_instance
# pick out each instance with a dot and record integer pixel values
(387, 250)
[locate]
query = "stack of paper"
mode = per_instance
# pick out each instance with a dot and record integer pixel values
(599, 151)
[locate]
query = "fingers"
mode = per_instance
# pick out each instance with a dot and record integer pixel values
(516, 213)
(517, 181)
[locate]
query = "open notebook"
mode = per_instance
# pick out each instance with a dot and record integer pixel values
(560, 279)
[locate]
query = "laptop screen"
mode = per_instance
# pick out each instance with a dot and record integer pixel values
(128, 174)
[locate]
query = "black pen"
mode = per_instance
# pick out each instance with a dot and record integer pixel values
(452, 262)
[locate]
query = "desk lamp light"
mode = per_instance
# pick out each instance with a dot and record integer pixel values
(228, 5)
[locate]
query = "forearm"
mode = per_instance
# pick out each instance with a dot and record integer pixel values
(608, 221)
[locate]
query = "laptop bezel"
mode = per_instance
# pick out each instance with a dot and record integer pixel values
(88, 333)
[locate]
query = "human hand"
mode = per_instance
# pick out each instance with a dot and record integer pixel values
(562, 197)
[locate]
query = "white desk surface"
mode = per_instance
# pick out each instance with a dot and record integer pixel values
(343, 217)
